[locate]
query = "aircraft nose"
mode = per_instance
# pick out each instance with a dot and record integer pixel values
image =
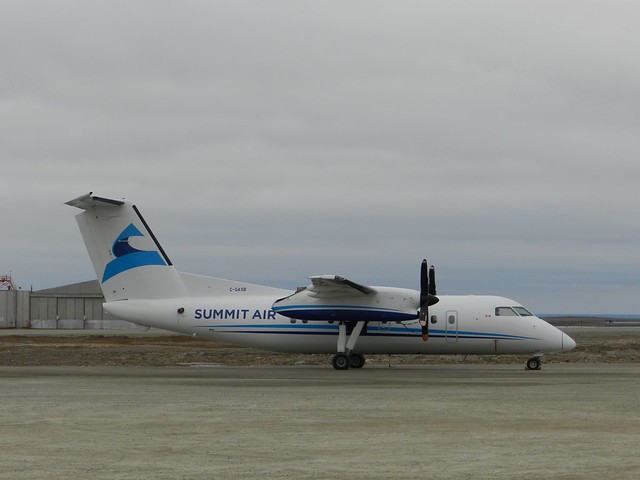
(568, 343)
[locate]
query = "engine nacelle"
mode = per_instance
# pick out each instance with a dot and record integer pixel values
(383, 304)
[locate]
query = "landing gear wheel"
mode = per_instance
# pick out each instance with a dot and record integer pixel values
(534, 363)
(341, 361)
(356, 360)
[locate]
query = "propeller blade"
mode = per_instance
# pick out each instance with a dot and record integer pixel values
(424, 299)
(432, 281)
(423, 323)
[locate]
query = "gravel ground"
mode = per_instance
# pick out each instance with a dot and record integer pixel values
(74, 407)
(595, 344)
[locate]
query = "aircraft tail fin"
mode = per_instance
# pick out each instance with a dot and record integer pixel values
(129, 261)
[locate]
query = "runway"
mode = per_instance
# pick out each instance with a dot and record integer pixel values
(567, 421)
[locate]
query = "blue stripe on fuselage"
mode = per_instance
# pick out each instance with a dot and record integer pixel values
(344, 313)
(308, 329)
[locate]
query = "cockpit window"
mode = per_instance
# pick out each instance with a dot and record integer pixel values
(513, 312)
(523, 312)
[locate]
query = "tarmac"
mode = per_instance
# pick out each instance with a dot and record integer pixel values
(461, 421)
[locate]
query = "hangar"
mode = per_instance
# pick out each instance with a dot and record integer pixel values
(75, 306)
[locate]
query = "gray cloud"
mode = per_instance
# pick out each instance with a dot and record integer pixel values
(267, 143)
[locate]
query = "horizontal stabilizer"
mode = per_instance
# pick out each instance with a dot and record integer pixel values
(88, 200)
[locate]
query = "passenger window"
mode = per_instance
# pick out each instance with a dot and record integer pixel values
(434, 319)
(505, 312)
(452, 319)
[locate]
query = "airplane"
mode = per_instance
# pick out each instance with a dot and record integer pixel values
(331, 315)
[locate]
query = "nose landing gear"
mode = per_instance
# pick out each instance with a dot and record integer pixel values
(534, 363)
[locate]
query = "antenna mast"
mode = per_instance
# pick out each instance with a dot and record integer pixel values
(6, 282)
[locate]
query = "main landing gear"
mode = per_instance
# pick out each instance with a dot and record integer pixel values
(342, 361)
(345, 358)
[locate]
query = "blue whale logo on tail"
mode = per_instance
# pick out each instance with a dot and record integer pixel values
(128, 257)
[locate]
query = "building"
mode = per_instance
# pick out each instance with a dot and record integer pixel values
(75, 306)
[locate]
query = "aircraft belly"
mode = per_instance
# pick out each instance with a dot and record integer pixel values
(377, 338)
(293, 341)
(281, 342)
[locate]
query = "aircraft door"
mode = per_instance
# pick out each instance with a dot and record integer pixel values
(451, 326)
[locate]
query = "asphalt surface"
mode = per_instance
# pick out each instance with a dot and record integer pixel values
(460, 421)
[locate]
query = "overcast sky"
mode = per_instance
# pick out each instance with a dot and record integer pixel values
(269, 141)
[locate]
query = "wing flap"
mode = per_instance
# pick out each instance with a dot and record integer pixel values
(325, 286)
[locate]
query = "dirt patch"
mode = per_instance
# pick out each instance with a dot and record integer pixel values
(178, 350)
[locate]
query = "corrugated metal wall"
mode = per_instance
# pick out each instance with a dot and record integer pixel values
(14, 308)
(64, 308)
(70, 306)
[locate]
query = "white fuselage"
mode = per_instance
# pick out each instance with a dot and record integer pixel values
(332, 315)
(457, 325)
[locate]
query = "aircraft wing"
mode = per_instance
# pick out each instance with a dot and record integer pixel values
(323, 286)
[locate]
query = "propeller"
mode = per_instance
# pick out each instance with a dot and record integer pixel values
(427, 296)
